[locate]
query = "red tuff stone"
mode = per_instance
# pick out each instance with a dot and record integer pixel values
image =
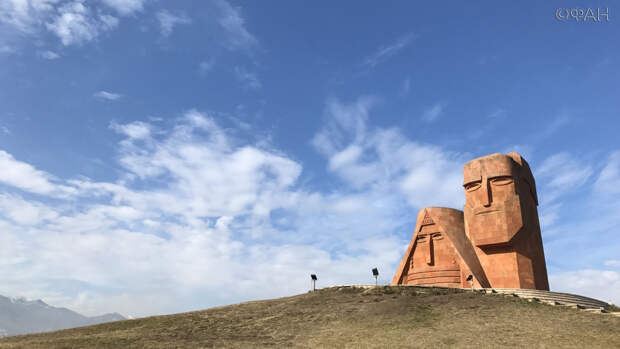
(496, 239)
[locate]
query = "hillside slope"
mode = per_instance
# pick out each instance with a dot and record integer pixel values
(382, 317)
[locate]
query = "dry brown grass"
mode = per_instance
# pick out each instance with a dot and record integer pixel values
(384, 317)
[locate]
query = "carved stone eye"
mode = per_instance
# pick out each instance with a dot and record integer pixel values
(421, 238)
(437, 236)
(502, 180)
(473, 186)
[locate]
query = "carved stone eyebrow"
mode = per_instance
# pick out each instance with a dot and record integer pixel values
(500, 172)
(498, 168)
(472, 173)
(471, 179)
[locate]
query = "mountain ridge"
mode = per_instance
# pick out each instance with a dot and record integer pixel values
(19, 315)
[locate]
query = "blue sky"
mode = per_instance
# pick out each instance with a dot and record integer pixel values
(160, 157)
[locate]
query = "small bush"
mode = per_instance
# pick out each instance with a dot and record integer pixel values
(613, 308)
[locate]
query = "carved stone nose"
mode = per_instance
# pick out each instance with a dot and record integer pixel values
(429, 256)
(486, 193)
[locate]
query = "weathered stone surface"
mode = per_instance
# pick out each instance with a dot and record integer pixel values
(501, 220)
(496, 239)
(439, 252)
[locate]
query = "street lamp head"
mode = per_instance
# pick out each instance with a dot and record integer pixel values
(313, 277)
(375, 271)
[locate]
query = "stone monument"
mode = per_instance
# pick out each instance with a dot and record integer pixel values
(496, 239)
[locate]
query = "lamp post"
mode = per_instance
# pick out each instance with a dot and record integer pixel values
(313, 277)
(470, 278)
(375, 272)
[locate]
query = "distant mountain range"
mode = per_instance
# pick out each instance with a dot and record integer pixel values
(21, 316)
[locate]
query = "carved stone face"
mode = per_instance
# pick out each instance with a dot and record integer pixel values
(424, 254)
(493, 206)
(434, 261)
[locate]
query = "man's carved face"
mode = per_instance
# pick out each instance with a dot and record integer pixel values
(492, 204)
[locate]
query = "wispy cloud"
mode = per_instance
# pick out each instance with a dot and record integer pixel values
(563, 173)
(216, 204)
(248, 79)
(6, 49)
(555, 124)
(237, 36)
(390, 50)
(526, 150)
(612, 263)
(74, 23)
(134, 131)
(168, 20)
(49, 55)
(195, 191)
(205, 66)
(25, 177)
(558, 175)
(230, 203)
(383, 158)
(497, 113)
(600, 284)
(23, 16)
(608, 182)
(110, 96)
(432, 113)
(406, 87)
(125, 7)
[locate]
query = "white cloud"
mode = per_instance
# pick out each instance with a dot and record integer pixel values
(75, 23)
(558, 175)
(233, 24)
(25, 212)
(586, 226)
(498, 113)
(524, 150)
(406, 87)
(600, 284)
(25, 15)
(125, 7)
(250, 80)
(25, 177)
(613, 263)
(220, 218)
(205, 66)
(432, 113)
(196, 201)
(608, 182)
(135, 130)
(167, 21)
(549, 214)
(424, 174)
(388, 51)
(107, 95)
(561, 173)
(346, 124)
(6, 49)
(49, 55)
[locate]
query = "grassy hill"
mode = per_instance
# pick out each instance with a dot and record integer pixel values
(347, 317)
